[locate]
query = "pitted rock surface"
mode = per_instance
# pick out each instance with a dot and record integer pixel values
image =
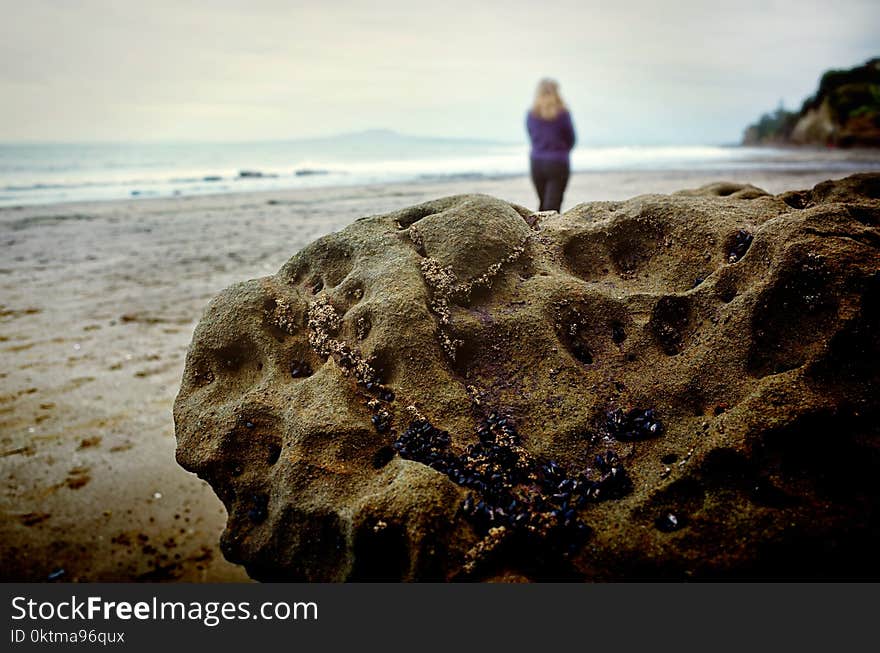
(670, 386)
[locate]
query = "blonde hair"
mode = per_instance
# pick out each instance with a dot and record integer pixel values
(548, 103)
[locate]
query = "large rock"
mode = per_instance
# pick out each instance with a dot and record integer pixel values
(671, 386)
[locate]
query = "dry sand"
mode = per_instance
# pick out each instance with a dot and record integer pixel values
(98, 302)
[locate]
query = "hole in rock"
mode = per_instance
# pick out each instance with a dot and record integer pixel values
(381, 551)
(382, 457)
(737, 245)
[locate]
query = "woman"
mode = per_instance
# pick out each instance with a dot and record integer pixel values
(552, 135)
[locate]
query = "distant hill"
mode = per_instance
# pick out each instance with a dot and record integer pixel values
(844, 112)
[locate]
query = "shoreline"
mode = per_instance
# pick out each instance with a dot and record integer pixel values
(622, 185)
(269, 176)
(98, 301)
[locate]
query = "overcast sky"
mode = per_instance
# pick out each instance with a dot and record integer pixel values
(633, 72)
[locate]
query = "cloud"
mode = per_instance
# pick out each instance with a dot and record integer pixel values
(632, 71)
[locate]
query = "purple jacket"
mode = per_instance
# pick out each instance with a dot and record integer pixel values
(552, 140)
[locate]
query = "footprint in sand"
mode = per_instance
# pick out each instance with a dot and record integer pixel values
(77, 477)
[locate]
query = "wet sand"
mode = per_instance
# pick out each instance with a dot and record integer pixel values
(98, 302)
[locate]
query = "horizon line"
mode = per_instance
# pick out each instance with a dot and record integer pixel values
(353, 134)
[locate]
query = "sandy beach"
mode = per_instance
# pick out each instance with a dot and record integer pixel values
(98, 302)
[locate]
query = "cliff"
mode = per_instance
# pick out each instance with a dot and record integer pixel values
(844, 112)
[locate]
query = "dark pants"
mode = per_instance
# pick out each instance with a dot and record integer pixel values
(550, 179)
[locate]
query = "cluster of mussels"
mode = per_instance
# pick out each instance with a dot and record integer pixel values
(381, 418)
(740, 246)
(530, 497)
(300, 369)
(636, 424)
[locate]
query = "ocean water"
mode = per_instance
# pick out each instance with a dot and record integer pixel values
(51, 173)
